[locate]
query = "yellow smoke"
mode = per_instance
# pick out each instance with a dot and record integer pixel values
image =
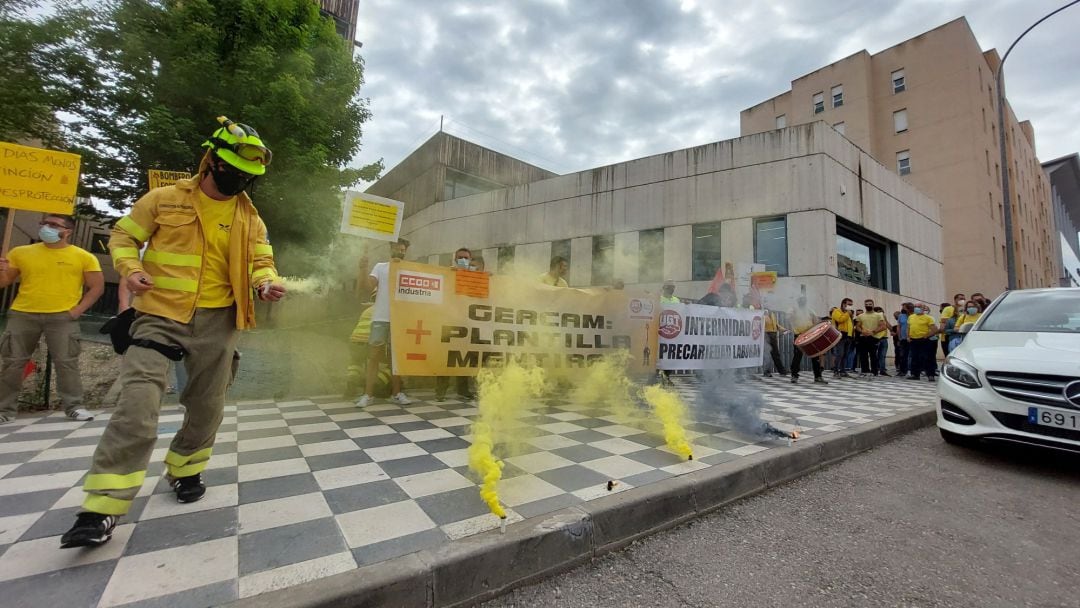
(605, 385)
(671, 411)
(504, 395)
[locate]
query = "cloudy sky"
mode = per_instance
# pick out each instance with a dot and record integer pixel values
(574, 84)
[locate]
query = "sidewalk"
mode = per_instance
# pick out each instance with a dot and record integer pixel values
(300, 490)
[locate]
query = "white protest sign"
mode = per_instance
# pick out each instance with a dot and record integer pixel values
(371, 216)
(697, 336)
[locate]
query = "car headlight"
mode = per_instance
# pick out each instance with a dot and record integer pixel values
(961, 372)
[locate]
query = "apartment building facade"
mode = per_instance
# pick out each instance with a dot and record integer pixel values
(927, 108)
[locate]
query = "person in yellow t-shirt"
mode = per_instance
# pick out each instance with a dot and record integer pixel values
(52, 275)
(922, 334)
(772, 342)
(972, 312)
(867, 327)
(556, 274)
(802, 319)
(841, 318)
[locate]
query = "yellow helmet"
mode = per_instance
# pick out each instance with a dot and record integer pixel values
(240, 146)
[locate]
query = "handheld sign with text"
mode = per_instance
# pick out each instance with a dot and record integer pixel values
(159, 178)
(36, 179)
(371, 216)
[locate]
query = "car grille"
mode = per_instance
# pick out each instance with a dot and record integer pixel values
(1039, 389)
(1019, 422)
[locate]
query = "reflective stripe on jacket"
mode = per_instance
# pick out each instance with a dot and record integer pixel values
(167, 220)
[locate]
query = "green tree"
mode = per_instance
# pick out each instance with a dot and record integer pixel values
(41, 71)
(166, 68)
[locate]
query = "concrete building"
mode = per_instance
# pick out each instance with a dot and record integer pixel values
(927, 109)
(1064, 176)
(802, 201)
(344, 13)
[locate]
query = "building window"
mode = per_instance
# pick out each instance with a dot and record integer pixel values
(903, 162)
(899, 121)
(839, 127)
(898, 83)
(837, 96)
(994, 238)
(100, 243)
(506, 259)
(770, 244)
(651, 256)
(459, 184)
(819, 103)
(865, 258)
(781, 121)
(987, 162)
(705, 251)
(603, 259)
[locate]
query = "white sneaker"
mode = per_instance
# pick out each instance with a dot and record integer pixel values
(81, 415)
(363, 401)
(402, 399)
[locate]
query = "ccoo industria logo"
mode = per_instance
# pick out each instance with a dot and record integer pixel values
(670, 324)
(420, 287)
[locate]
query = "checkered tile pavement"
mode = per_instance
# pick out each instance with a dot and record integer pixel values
(300, 490)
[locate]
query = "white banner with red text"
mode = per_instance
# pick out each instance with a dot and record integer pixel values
(697, 336)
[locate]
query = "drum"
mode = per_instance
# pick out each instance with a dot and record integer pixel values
(817, 340)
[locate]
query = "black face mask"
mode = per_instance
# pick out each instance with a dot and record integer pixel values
(397, 255)
(230, 182)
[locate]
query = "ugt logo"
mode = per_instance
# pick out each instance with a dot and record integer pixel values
(671, 324)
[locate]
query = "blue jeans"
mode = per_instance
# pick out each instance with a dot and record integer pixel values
(882, 353)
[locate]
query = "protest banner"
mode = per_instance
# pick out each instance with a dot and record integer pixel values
(696, 336)
(371, 216)
(36, 179)
(159, 178)
(448, 322)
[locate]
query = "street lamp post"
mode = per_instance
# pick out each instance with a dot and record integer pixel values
(1006, 195)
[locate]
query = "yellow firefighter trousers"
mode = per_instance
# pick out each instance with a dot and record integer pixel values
(120, 461)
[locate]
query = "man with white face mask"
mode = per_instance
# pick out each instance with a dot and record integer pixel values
(53, 275)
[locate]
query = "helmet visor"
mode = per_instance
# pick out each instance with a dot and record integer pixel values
(259, 154)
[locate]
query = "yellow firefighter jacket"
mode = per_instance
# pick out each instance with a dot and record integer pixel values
(167, 220)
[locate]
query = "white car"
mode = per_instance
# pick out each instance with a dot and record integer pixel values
(1016, 376)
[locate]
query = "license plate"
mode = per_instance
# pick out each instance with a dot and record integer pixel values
(1054, 418)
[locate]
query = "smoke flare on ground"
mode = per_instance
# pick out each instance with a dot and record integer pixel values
(504, 394)
(721, 394)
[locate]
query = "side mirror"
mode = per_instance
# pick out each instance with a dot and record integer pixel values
(966, 327)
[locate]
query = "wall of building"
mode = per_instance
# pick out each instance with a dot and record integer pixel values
(951, 138)
(809, 175)
(420, 179)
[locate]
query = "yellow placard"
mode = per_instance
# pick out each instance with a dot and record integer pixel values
(441, 328)
(763, 280)
(36, 179)
(159, 178)
(371, 216)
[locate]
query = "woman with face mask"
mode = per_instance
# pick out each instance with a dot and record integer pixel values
(971, 313)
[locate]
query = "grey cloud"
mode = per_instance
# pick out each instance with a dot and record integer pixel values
(572, 85)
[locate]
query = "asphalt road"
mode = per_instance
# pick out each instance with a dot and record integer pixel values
(913, 523)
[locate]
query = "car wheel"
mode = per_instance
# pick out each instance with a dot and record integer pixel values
(952, 438)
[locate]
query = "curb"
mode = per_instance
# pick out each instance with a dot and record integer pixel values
(480, 567)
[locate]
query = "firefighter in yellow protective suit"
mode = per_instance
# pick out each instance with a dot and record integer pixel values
(207, 257)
